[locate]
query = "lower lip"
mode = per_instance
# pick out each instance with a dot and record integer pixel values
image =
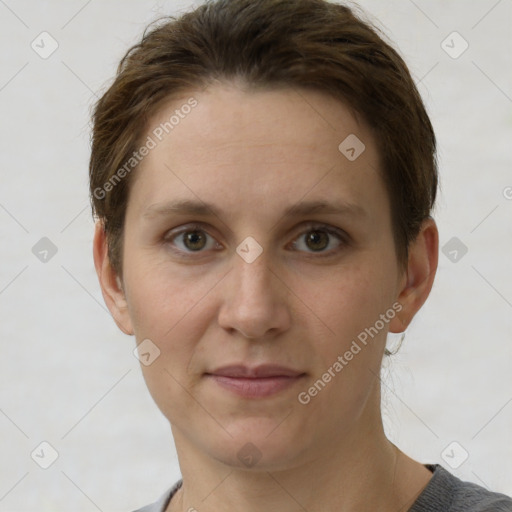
(255, 388)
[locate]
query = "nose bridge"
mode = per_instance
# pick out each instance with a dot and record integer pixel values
(252, 275)
(252, 305)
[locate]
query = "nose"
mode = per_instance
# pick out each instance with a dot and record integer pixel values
(255, 300)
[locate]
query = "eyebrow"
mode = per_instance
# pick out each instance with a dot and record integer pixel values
(193, 207)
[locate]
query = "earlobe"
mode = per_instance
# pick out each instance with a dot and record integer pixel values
(110, 283)
(418, 279)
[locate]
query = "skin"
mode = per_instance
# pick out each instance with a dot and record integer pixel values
(252, 155)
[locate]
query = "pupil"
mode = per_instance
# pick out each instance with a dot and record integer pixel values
(194, 240)
(317, 237)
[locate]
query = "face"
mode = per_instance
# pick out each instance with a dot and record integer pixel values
(219, 270)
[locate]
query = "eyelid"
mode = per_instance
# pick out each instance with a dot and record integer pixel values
(170, 236)
(304, 228)
(340, 234)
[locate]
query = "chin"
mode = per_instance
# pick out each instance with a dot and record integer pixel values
(260, 444)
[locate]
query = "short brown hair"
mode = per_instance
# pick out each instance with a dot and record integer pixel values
(267, 43)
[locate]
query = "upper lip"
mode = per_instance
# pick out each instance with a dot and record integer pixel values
(264, 370)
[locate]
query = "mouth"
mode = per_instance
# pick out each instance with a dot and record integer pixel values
(257, 382)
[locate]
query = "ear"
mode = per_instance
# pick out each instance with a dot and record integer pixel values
(111, 286)
(416, 282)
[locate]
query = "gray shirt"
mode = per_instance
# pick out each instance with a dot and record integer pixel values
(443, 493)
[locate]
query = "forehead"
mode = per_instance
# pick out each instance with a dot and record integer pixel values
(257, 147)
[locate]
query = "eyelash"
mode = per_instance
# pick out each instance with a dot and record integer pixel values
(339, 234)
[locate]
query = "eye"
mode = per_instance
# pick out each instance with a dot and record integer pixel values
(191, 239)
(319, 239)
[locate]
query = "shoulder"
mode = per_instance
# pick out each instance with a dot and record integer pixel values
(445, 492)
(161, 504)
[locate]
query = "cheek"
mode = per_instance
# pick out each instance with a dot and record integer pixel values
(348, 300)
(161, 296)
(349, 355)
(176, 324)
(173, 309)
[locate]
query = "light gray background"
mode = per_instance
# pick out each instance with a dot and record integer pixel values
(69, 377)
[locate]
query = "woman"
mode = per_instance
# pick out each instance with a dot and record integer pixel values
(263, 174)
